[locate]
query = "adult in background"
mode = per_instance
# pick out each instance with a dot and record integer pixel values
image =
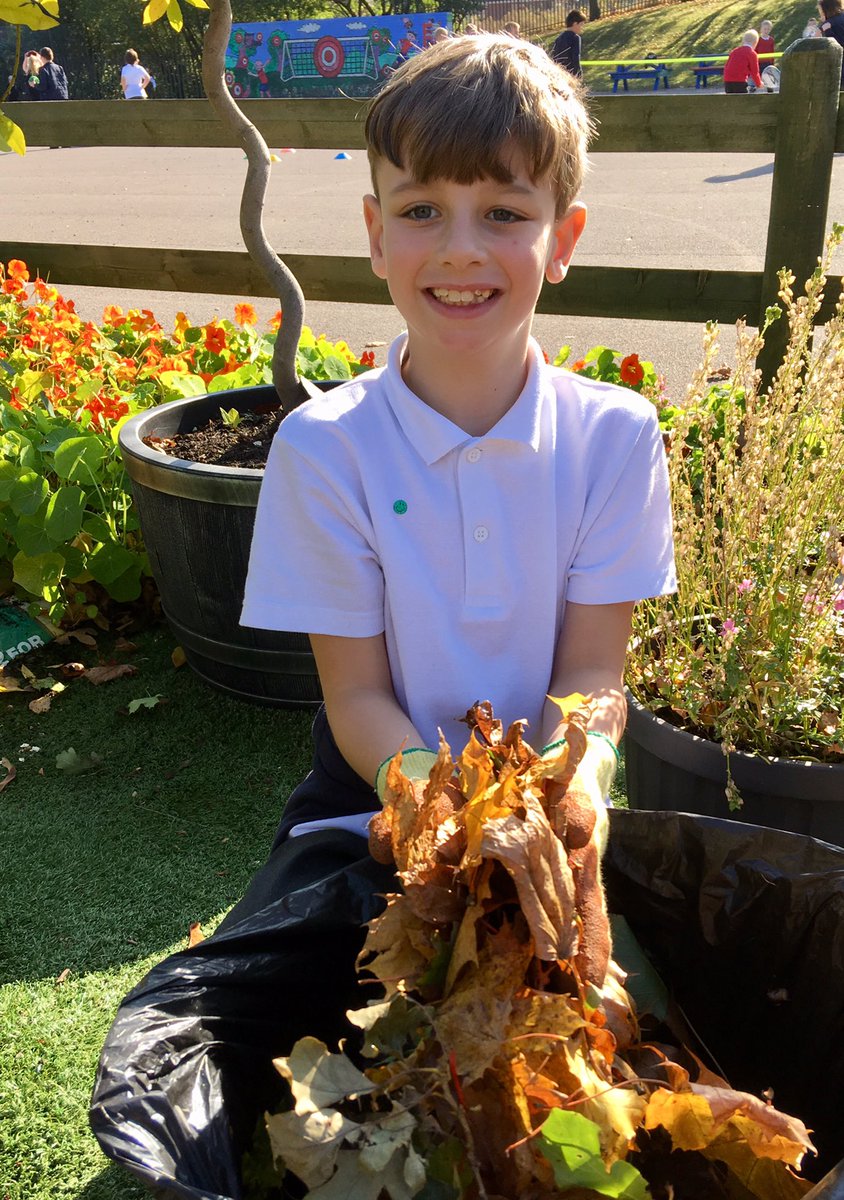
(742, 63)
(52, 81)
(134, 78)
(566, 49)
(832, 24)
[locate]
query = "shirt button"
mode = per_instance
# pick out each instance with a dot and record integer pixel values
(474, 454)
(481, 533)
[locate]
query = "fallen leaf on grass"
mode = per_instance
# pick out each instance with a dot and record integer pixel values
(145, 702)
(195, 934)
(72, 670)
(63, 976)
(11, 683)
(10, 773)
(125, 646)
(73, 763)
(79, 635)
(178, 658)
(42, 704)
(106, 674)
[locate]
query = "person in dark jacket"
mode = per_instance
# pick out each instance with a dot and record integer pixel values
(832, 24)
(52, 81)
(566, 49)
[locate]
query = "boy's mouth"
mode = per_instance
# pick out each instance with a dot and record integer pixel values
(462, 296)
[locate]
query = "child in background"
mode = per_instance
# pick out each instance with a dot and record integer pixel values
(743, 64)
(765, 46)
(812, 29)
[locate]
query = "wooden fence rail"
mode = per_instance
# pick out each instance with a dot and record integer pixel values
(802, 127)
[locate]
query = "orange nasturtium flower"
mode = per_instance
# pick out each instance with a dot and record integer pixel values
(215, 338)
(631, 370)
(18, 270)
(181, 324)
(112, 314)
(244, 314)
(275, 320)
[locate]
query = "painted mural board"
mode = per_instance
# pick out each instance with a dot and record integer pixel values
(338, 56)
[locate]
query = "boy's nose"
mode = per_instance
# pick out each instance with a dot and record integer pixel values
(461, 243)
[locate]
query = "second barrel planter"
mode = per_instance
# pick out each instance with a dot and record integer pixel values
(197, 523)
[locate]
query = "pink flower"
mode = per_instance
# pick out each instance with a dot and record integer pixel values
(745, 586)
(838, 602)
(727, 627)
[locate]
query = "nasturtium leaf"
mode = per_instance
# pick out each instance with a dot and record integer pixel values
(56, 436)
(28, 493)
(109, 561)
(9, 474)
(32, 538)
(572, 1145)
(185, 385)
(80, 459)
(11, 136)
(336, 367)
(38, 573)
(128, 585)
(65, 509)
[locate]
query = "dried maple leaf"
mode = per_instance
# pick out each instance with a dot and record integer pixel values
(535, 859)
(106, 674)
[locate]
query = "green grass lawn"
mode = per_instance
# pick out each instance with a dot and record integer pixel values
(105, 870)
(103, 873)
(698, 27)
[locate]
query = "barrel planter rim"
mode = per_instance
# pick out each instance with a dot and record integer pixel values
(785, 777)
(181, 476)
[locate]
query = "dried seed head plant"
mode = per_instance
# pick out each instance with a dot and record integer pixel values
(750, 651)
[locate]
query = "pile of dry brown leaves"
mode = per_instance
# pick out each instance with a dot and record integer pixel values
(505, 1064)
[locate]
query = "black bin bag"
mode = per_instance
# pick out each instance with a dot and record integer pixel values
(745, 925)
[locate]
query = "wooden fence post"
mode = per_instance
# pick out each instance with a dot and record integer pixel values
(805, 144)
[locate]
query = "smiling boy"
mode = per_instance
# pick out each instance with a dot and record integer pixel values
(467, 522)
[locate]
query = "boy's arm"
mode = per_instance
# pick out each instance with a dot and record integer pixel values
(590, 657)
(366, 719)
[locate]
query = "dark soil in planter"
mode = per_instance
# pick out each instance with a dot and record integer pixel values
(221, 445)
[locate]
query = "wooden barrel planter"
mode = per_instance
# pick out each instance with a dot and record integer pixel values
(197, 524)
(671, 770)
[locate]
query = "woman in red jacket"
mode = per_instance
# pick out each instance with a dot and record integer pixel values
(742, 63)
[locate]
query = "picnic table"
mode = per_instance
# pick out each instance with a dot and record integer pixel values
(658, 73)
(704, 70)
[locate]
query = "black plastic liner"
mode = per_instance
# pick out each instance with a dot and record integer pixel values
(745, 924)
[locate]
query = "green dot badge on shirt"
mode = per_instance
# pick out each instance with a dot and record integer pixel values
(400, 507)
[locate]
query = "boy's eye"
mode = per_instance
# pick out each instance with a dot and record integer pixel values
(420, 212)
(504, 216)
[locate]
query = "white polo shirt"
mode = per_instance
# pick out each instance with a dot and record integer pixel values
(379, 515)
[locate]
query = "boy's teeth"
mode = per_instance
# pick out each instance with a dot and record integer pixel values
(450, 296)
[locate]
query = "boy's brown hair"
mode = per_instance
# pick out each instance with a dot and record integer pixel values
(457, 110)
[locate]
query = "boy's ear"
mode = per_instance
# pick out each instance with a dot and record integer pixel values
(375, 229)
(565, 237)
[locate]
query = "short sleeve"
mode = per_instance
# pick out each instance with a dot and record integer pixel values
(312, 564)
(625, 548)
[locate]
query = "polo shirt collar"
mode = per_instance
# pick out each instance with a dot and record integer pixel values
(433, 435)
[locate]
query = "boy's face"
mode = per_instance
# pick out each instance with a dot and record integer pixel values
(465, 263)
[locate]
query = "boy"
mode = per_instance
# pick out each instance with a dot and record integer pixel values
(742, 64)
(566, 49)
(466, 523)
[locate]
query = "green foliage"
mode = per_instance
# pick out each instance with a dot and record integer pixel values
(69, 536)
(609, 366)
(572, 1145)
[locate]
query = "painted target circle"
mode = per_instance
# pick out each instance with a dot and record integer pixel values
(238, 91)
(259, 37)
(275, 40)
(229, 77)
(329, 57)
(238, 37)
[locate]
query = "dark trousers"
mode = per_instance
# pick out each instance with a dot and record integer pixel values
(735, 88)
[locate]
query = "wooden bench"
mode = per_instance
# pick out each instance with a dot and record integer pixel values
(703, 71)
(657, 73)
